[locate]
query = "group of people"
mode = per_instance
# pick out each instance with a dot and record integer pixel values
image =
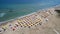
(34, 19)
(28, 21)
(4, 28)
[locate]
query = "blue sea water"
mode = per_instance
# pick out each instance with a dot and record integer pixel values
(10, 9)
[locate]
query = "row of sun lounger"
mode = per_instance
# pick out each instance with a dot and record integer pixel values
(33, 19)
(30, 20)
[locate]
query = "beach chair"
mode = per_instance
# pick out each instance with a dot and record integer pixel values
(19, 22)
(24, 23)
(32, 19)
(38, 20)
(31, 22)
(28, 21)
(5, 27)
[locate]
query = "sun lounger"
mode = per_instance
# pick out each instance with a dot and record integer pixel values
(19, 22)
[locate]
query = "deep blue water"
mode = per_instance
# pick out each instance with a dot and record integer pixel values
(10, 9)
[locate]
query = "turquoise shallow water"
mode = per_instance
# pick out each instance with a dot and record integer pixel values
(11, 11)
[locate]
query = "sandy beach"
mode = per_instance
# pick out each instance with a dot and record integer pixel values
(40, 22)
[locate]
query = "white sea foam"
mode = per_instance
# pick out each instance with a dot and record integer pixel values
(2, 14)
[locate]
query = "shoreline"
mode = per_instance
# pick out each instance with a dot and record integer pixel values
(27, 14)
